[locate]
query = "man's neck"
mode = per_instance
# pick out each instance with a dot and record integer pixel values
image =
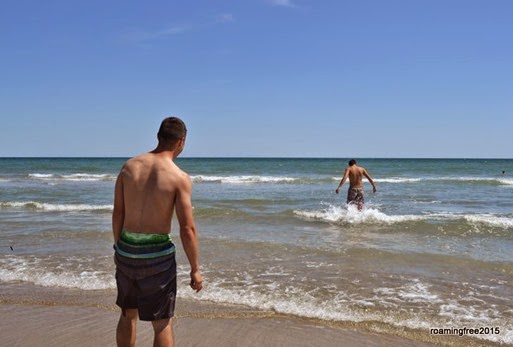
(165, 152)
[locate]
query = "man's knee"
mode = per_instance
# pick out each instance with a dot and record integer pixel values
(162, 324)
(130, 313)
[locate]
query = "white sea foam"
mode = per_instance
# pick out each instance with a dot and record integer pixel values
(42, 206)
(88, 177)
(290, 299)
(401, 180)
(417, 292)
(505, 181)
(344, 307)
(455, 310)
(392, 179)
(350, 214)
(497, 221)
(413, 291)
(33, 270)
(80, 177)
(397, 180)
(244, 179)
(41, 176)
(495, 180)
(487, 219)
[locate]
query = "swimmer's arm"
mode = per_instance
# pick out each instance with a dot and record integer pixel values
(343, 180)
(118, 213)
(370, 180)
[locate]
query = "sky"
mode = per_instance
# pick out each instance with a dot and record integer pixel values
(258, 78)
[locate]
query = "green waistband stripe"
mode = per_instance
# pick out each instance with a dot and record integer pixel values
(144, 239)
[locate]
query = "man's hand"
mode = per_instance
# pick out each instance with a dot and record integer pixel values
(374, 189)
(196, 281)
(337, 190)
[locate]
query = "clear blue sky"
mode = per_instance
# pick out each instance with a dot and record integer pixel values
(293, 78)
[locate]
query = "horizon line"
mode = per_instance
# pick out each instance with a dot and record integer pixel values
(258, 157)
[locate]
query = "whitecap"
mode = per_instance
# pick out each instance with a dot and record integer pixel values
(42, 206)
(84, 177)
(243, 179)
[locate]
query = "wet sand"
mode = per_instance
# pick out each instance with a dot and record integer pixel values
(40, 316)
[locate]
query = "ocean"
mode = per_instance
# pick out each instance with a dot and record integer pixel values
(433, 247)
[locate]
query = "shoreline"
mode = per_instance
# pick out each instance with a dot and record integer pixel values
(36, 315)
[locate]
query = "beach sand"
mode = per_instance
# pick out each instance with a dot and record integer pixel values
(43, 316)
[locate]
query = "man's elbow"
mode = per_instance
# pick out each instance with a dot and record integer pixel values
(188, 233)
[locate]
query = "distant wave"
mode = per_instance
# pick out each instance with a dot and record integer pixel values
(397, 180)
(244, 179)
(392, 179)
(254, 179)
(491, 180)
(349, 214)
(505, 181)
(73, 177)
(42, 206)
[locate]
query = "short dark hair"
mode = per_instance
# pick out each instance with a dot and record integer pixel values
(352, 162)
(171, 130)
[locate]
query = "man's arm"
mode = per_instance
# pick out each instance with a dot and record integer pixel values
(118, 213)
(370, 180)
(188, 233)
(343, 180)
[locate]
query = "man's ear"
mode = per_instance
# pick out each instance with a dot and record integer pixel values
(181, 143)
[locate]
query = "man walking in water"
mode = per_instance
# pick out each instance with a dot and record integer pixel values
(355, 192)
(149, 188)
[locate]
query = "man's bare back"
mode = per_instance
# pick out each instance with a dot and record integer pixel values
(355, 174)
(151, 183)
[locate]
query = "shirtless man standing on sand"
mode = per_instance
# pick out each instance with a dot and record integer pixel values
(355, 192)
(148, 189)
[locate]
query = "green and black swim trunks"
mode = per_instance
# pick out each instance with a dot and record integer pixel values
(146, 274)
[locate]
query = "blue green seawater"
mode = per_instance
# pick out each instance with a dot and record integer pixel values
(432, 248)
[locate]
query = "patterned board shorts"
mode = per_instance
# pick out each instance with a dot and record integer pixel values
(355, 196)
(146, 275)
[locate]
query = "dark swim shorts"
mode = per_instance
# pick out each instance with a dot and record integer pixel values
(355, 196)
(146, 275)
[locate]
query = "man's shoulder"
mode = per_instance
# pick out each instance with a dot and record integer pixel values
(174, 171)
(136, 164)
(183, 175)
(141, 159)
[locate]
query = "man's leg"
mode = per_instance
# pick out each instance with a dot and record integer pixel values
(163, 333)
(360, 200)
(125, 333)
